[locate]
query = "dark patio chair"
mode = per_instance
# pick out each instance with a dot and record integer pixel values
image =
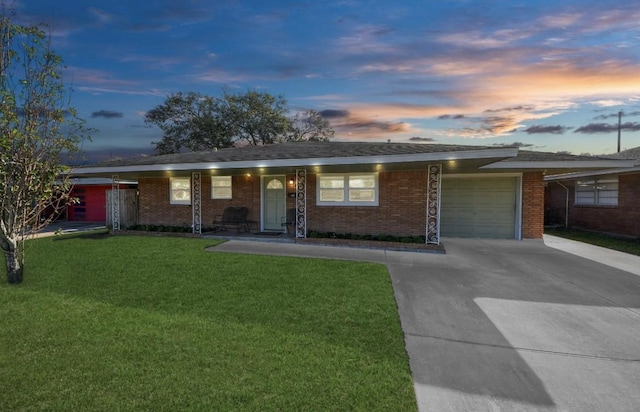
(232, 216)
(290, 219)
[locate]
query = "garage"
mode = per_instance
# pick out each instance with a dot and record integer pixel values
(90, 205)
(482, 207)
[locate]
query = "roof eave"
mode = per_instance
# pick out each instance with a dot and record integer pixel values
(578, 175)
(559, 165)
(501, 153)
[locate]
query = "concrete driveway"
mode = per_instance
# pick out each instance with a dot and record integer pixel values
(65, 227)
(505, 325)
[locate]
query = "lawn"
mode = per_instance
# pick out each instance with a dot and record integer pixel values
(149, 323)
(626, 245)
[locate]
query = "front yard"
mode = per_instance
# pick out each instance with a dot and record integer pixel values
(146, 323)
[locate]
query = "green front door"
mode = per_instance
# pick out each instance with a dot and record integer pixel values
(274, 198)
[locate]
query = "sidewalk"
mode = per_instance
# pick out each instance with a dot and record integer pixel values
(67, 227)
(619, 260)
(612, 258)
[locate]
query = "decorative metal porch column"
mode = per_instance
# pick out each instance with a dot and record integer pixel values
(115, 202)
(196, 207)
(433, 204)
(301, 203)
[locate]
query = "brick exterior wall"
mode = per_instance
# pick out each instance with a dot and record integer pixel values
(154, 207)
(401, 210)
(532, 205)
(623, 219)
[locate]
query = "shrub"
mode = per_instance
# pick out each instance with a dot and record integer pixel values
(161, 228)
(353, 236)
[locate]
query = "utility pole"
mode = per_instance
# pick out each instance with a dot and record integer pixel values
(619, 128)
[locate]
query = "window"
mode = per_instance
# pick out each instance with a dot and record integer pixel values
(602, 192)
(347, 189)
(180, 191)
(275, 184)
(220, 187)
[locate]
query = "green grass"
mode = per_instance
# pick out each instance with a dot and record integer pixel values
(106, 323)
(626, 245)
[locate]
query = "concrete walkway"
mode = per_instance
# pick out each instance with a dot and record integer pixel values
(619, 260)
(504, 325)
(64, 227)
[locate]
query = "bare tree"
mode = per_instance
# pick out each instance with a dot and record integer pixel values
(37, 129)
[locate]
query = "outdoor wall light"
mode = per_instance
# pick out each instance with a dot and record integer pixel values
(290, 182)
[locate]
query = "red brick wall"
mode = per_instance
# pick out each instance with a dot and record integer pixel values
(401, 210)
(156, 210)
(154, 207)
(245, 193)
(623, 219)
(555, 203)
(532, 205)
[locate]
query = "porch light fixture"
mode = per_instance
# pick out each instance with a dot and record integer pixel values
(290, 182)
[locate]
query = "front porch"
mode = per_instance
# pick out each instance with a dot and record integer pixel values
(407, 204)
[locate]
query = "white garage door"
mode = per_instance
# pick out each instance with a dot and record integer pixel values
(479, 207)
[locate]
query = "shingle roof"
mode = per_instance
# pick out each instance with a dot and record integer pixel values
(533, 156)
(630, 154)
(350, 155)
(295, 150)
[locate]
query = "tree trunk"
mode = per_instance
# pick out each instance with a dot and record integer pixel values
(14, 270)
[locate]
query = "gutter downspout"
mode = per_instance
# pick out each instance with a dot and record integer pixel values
(566, 206)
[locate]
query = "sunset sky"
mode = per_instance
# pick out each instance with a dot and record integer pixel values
(546, 75)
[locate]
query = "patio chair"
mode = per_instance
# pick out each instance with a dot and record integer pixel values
(290, 219)
(232, 216)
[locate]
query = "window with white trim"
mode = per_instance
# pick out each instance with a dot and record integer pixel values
(180, 190)
(603, 192)
(352, 189)
(221, 187)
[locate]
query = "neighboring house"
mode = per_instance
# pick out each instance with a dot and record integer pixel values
(91, 199)
(396, 189)
(603, 200)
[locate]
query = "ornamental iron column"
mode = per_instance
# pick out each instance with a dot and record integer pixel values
(434, 179)
(196, 207)
(301, 203)
(115, 202)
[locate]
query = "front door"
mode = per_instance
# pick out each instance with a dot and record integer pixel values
(274, 206)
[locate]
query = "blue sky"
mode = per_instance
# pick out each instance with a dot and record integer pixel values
(549, 75)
